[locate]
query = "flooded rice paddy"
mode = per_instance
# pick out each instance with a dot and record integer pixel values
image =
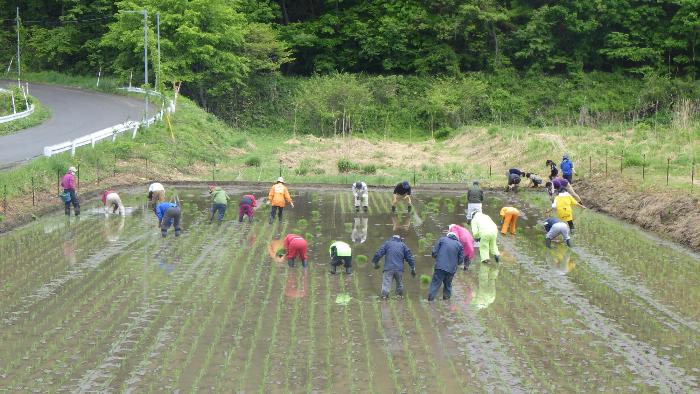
(106, 304)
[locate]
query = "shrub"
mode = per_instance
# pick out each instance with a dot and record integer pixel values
(369, 169)
(345, 165)
(253, 161)
(443, 133)
(240, 143)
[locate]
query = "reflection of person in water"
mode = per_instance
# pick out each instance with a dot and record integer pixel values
(401, 225)
(165, 262)
(114, 227)
(293, 288)
(485, 292)
(359, 230)
(69, 245)
(560, 260)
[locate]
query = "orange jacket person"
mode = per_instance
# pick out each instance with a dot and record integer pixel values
(296, 245)
(279, 197)
(509, 218)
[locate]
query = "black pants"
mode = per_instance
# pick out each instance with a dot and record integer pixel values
(74, 201)
(569, 177)
(171, 214)
(341, 260)
(443, 278)
(274, 211)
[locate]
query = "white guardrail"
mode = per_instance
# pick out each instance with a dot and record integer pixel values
(17, 115)
(111, 132)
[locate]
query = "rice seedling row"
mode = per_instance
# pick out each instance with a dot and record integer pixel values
(417, 381)
(387, 353)
(369, 354)
(346, 336)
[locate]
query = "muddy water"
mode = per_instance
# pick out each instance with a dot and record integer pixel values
(106, 304)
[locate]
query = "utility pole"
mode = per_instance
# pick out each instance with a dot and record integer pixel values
(19, 67)
(158, 45)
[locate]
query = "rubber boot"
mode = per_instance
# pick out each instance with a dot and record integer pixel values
(393, 209)
(178, 232)
(290, 263)
(348, 270)
(410, 207)
(304, 263)
(164, 233)
(77, 211)
(548, 243)
(67, 210)
(366, 209)
(270, 221)
(497, 258)
(332, 269)
(568, 242)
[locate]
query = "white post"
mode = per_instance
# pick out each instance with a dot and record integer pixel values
(26, 102)
(158, 44)
(133, 133)
(92, 140)
(72, 148)
(131, 75)
(99, 74)
(19, 66)
(14, 109)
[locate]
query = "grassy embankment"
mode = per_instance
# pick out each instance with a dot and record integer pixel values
(200, 146)
(39, 115)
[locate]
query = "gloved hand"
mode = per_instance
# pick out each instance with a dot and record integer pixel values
(413, 272)
(477, 239)
(376, 266)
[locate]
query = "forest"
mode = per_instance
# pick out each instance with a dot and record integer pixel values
(222, 51)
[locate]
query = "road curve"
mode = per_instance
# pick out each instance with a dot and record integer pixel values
(75, 113)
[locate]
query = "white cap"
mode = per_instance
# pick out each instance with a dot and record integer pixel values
(72, 169)
(280, 179)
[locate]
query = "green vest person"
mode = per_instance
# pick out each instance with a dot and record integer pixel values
(341, 254)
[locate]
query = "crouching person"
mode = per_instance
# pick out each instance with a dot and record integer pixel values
(395, 252)
(554, 228)
(113, 203)
(360, 192)
(296, 245)
(168, 214)
(448, 253)
(341, 254)
(247, 207)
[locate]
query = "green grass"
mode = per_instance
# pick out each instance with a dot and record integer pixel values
(40, 114)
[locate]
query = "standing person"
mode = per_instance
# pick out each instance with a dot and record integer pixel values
(341, 254)
(395, 252)
(168, 214)
(219, 202)
(535, 180)
(361, 194)
(564, 204)
(68, 185)
(403, 191)
(296, 245)
(112, 202)
(467, 241)
(448, 253)
(553, 171)
(567, 168)
(475, 200)
(514, 176)
(554, 228)
(485, 231)
(279, 197)
(155, 189)
(509, 218)
(247, 207)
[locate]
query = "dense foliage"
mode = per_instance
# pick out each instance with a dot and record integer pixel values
(481, 59)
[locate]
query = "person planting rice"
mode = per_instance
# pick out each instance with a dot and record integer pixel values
(535, 180)
(112, 202)
(475, 200)
(402, 191)
(360, 193)
(154, 190)
(168, 214)
(68, 185)
(341, 254)
(564, 205)
(561, 183)
(448, 253)
(514, 176)
(296, 245)
(467, 241)
(485, 231)
(279, 197)
(553, 171)
(395, 252)
(247, 207)
(509, 219)
(554, 228)
(219, 201)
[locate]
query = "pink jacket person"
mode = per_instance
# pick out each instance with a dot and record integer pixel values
(465, 238)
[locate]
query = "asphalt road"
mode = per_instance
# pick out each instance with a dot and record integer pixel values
(75, 113)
